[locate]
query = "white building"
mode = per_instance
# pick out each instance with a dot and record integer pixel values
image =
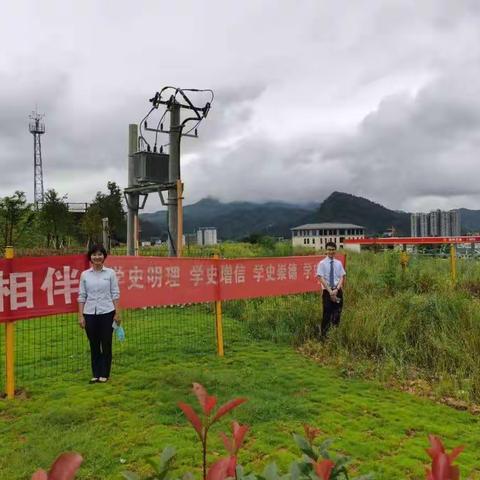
(207, 236)
(318, 234)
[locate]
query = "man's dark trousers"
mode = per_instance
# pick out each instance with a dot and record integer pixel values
(99, 332)
(331, 312)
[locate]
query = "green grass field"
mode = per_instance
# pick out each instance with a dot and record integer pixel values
(396, 324)
(114, 426)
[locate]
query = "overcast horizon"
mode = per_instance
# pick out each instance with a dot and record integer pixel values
(378, 99)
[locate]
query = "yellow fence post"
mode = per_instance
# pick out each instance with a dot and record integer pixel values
(453, 262)
(219, 322)
(404, 260)
(10, 345)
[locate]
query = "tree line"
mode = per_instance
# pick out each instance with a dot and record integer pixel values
(53, 225)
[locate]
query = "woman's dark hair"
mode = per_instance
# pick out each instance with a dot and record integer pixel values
(96, 248)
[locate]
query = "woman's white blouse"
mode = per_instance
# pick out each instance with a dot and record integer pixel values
(98, 290)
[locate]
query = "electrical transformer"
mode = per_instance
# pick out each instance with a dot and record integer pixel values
(150, 167)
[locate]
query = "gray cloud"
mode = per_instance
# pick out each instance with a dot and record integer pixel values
(422, 145)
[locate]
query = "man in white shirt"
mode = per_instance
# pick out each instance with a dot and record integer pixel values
(331, 274)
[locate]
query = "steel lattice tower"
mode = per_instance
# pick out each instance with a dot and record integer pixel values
(37, 128)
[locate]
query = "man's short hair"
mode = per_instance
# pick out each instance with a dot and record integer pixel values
(331, 244)
(94, 249)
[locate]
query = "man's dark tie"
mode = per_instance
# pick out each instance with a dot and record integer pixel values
(331, 278)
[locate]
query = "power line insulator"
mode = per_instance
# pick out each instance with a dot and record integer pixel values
(206, 109)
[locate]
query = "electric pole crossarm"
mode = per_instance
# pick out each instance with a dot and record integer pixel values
(149, 188)
(148, 129)
(168, 102)
(157, 101)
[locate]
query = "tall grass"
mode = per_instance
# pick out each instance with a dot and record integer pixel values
(409, 323)
(291, 319)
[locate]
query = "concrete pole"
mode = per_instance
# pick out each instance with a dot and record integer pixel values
(173, 176)
(180, 218)
(137, 235)
(132, 212)
(105, 235)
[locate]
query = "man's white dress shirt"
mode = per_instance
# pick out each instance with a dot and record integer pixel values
(323, 270)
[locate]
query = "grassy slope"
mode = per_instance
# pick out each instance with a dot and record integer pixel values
(136, 415)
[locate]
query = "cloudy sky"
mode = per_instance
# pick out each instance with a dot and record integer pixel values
(375, 98)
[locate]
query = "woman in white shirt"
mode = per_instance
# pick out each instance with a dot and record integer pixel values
(97, 309)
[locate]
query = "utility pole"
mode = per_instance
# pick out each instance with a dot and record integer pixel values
(173, 175)
(150, 170)
(105, 234)
(132, 198)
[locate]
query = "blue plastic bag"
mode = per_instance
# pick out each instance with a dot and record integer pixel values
(119, 331)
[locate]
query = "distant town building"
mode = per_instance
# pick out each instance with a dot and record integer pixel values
(424, 224)
(455, 222)
(318, 234)
(445, 226)
(437, 223)
(414, 232)
(207, 236)
(390, 232)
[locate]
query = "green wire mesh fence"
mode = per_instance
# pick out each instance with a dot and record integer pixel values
(54, 346)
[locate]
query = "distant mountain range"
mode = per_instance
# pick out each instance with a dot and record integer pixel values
(470, 220)
(234, 220)
(237, 220)
(345, 208)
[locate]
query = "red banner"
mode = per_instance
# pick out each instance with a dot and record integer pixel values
(38, 286)
(150, 281)
(262, 277)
